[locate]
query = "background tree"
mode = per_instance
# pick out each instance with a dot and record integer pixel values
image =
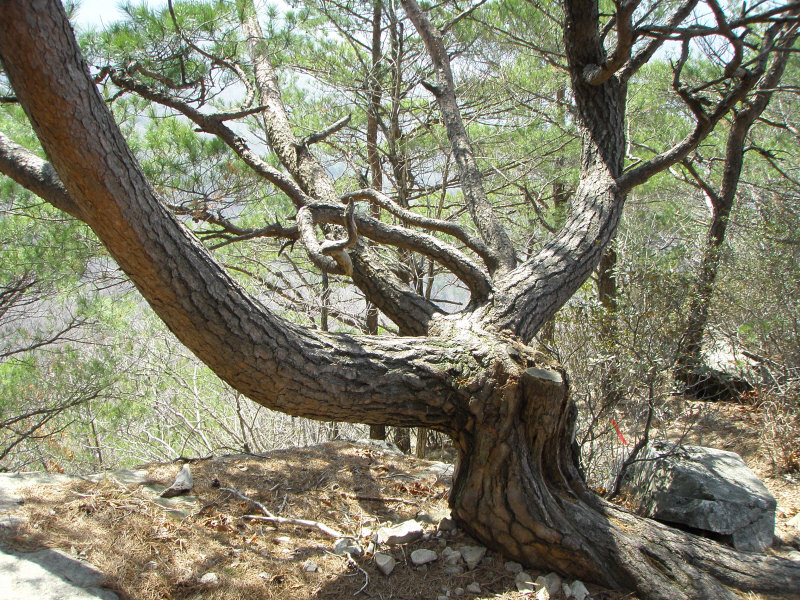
(471, 374)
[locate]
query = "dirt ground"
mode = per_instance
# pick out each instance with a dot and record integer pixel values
(151, 549)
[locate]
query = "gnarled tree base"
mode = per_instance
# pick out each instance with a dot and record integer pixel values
(518, 490)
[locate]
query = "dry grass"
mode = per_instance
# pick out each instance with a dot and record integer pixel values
(148, 553)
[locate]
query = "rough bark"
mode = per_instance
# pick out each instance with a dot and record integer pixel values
(517, 487)
(376, 432)
(533, 292)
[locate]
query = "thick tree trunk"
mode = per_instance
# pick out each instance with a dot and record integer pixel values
(517, 488)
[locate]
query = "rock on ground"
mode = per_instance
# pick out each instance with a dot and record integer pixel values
(472, 555)
(451, 557)
(402, 533)
(422, 557)
(310, 566)
(45, 574)
(182, 485)
(706, 489)
(49, 575)
(576, 591)
(385, 563)
(551, 582)
(474, 588)
(525, 583)
(348, 546)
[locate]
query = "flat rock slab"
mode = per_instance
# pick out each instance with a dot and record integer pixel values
(11, 483)
(49, 575)
(707, 490)
(45, 574)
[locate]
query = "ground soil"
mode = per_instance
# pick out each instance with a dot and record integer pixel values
(150, 551)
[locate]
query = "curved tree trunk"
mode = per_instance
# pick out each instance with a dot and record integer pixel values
(517, 487)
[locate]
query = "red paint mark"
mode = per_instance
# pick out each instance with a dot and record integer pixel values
(619, 433)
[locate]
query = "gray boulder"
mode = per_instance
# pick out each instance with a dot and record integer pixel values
(709, 491)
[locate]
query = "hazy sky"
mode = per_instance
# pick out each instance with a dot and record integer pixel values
(105, 12)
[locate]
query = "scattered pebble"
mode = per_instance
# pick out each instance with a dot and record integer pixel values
(447, 524)
(513, 567)
(209, 579)
(472, 555)
(348, 546)
(543, 594)
(474, 588)
(385, 563)
(451, 557)
(402, 533)
(551, 581)
(423, 556)
(310, 566)
(578, 591)
(524, 583)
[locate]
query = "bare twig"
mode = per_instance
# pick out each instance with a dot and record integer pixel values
(268, 516)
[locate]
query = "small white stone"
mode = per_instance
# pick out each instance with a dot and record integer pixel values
(472, 555)
(209, 579)
(578, 591)
(385, 563)
(423, 556)
(551, 581)
(283, 539)
(447, 524)
(474, 588)
(459, 591)
(310, 566)
(543, 594)
(524, 583)
(451, 557)
(402, 533)
(347, 546)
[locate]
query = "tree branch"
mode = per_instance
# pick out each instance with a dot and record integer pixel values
(330, 257)
(454, 229)
(278, 364)
(213, 124)
(319, 136)
(597, 74)
(478, 205)
(36, 175)
(441, 252)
